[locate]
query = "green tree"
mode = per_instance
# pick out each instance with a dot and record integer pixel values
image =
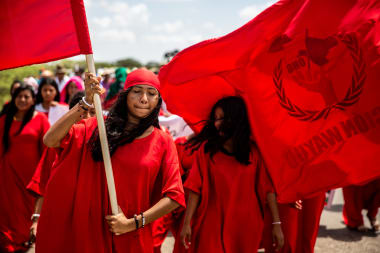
(152, 65)
(129, 63)
(9, 75)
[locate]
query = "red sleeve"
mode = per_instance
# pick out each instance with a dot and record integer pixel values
(45, 125)
(76, 133)
(194, 180)
(264, 182)
(171, 178)
(42, 174)
(179, 148)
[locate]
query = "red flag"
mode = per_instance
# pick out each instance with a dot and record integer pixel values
(36, 31)
(309, 73)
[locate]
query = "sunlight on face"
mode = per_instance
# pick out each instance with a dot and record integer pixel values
(48, 93)
(141, 101)
(24, 100)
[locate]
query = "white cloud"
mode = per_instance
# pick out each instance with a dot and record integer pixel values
(169, 27)
(208, 26)
(251, 11)
(124, 14)
(118, 35)
(178, 39)
(103, 22)
(172, 1)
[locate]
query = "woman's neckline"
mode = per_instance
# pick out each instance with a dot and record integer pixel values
(145, 137)
(226, 152)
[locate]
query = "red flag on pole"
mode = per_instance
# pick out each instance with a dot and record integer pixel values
(36, 31)
(309, 73)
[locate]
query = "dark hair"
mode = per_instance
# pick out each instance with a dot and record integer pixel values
(116, 123)
(235, 126)
(47, 81)
(11, 111)
(13, 84)
(76, 98)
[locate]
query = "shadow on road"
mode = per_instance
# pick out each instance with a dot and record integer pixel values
(343, 234)
(335, 208)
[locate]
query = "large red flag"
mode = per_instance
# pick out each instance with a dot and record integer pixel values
(36, 31)
(309, 73)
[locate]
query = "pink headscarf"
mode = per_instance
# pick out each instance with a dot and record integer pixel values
(78, 82)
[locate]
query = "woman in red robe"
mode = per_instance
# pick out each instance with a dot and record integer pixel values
(21, 132)
(37, 186)
(174, 220)
(75, 214)
(357, 198)
(227, 186)
(300, 223)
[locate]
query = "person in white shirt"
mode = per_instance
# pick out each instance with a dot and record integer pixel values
(60, 77)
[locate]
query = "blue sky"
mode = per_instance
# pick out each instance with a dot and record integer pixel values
(146, 29)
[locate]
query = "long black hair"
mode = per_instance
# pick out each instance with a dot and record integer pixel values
(47, 81)
(116, 122)
(235, 126)
(11, 111)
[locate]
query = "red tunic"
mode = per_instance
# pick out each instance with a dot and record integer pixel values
(173, 221)
(228, 217)
(359, 197)
(76, 200)
(300, 227)
(308, 223)
(42, 174)
(16, 169)
(184, 155)
(289, 217)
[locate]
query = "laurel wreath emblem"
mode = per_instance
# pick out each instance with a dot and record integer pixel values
(353, 93)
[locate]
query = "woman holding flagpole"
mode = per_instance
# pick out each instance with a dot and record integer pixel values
(228, 186)
(145, 167)
(21, 147)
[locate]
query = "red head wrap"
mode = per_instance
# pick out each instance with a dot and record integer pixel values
(142, 76)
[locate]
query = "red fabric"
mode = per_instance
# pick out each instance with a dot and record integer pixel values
(308, 223)
(43, 171)
(300, 227)
(310, 80)
(289, 218)
(174, 220)
(142, 76)
(184, 155)
(228, 217)
(109, 103)
(160, 229)
(357, 198)
(16, 169)
(55, 30)
(76, 199)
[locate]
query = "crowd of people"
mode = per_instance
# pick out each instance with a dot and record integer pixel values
(210, 188)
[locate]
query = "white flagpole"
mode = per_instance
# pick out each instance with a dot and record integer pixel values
(103, 141)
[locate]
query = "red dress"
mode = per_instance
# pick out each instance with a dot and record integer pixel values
(359, 197)
(16, 169)
(308, 222)
(42, 174)
(174, 220)
(300, 227)
(76, 200)
(289, 218)
(229, 215)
